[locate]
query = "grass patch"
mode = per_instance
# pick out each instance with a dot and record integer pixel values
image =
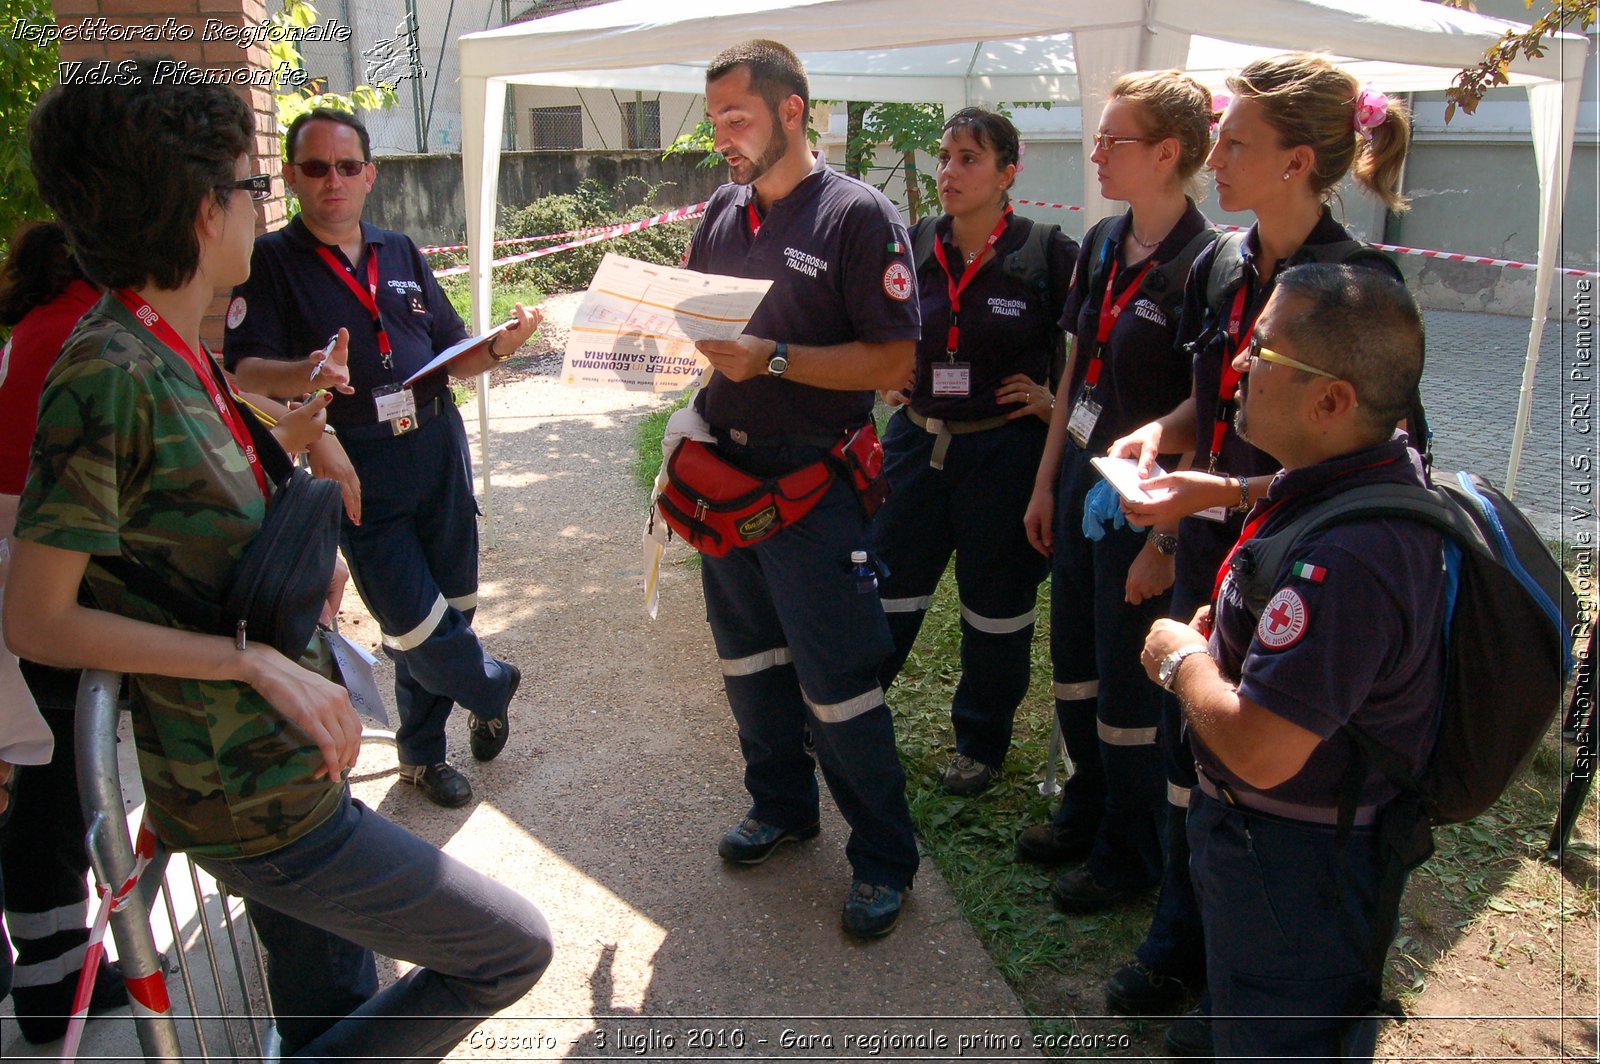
(502, 298)
(647, 444)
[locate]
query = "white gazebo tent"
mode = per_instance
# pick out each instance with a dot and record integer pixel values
(959, 53)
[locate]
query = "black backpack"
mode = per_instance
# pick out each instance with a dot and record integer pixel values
(1509, 656)
(1163, 285)
(1227, 274)
(1028, 265)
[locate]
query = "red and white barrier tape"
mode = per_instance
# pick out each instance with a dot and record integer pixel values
(1448, 256)
(530, 239)
(677, 214)
(148, 993)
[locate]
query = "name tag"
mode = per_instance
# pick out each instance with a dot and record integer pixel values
(394, 402)
(1215, 513)
(1081, 425)
(355, 671)
(952, 378)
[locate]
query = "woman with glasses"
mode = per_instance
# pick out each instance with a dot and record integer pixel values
(1295, 127)
(141, 454)
(1107, 590)
(961, 449)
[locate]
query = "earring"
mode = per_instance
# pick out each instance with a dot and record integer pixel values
(1286, 175)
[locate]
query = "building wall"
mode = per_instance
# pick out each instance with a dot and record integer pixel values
(602, 113)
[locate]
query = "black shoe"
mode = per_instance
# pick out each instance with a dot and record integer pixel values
(750, 842)
(1190, 1036)
(871, 911)
(1048, 844)
(967, 776)
(441, 784)
(488, 737)
(43, 1012)
(1077, 891)
(1139, 990)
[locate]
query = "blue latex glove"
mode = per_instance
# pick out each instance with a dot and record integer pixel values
(1102, 510)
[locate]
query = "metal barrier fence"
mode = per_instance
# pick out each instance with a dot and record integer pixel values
(238, 980)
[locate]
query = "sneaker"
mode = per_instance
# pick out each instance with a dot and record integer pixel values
(1139, 990)
(1190, 1036)
(871, 911)
(966, 777)
(1077, 891)
(488, 737)
(43, 1011)
(441, 784)
(750, 842)
(1047, 844)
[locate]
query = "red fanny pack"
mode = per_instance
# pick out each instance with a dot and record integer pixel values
(715, 506)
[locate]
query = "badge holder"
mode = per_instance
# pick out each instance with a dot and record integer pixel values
(952, 378)
(1085, 412)
(397, 405)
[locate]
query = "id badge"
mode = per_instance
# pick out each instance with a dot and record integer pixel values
(1218, 514)
(952, 378)
(397, 405)
(1081, 424)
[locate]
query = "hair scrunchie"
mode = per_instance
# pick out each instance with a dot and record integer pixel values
(1372, 110)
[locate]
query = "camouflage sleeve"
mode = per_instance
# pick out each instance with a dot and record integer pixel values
(92, 439)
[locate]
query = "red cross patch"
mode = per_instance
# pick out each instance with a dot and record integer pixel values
(1283, 622)
(897, 281)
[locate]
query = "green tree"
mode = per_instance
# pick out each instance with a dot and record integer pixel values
(296, 95)
(27, 68)
(1495, 69)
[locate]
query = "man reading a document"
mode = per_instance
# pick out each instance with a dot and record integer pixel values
(410, 532)
(799, 634)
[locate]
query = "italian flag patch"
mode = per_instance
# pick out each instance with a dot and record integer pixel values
(896, 248)
(1306, 571)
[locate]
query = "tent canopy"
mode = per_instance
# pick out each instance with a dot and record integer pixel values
(958, 53)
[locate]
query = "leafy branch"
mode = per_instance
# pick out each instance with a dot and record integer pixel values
(1495, 69)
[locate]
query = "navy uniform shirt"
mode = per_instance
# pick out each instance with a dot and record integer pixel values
(1143, 373)
(1007, 326)
(1354, 632)
(840, 263)
(1204, 543)
(293, 302)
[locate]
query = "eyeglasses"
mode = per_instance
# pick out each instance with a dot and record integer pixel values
(1107, 141)
(318, 168)
(258, 185)
(1266, 354)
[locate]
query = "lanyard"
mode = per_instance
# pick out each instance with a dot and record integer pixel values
(953, 338)
(1251, 527)
(150, 319)
(1229, 381)
(1110, 311)
(367, 297)
(751, 215)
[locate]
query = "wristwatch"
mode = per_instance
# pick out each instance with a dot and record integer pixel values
(1166, 543)
(1167, 674)
(778, 364)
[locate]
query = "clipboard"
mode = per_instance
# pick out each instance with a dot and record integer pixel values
(454, 351)
(1123, 476)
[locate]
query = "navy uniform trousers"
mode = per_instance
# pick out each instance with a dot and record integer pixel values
(414, 559)
(1107, 706)
(800, 644)
(1288, 910)
(972, 507)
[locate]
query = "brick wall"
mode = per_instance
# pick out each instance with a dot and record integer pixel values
(180, 29)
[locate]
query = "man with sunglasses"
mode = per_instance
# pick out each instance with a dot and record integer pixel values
(1351, 635)
(410, 533)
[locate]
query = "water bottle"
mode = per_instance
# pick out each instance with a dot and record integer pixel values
(866, 577)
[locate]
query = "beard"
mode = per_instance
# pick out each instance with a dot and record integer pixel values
(777, 146)
(1240, 422)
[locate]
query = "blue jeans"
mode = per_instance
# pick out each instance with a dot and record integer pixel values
(800, 644)
(357, 883)
(1288, 912)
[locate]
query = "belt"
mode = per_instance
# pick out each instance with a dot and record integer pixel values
(380, 430)
(741, 438)
(943, 430)
(1365, 816)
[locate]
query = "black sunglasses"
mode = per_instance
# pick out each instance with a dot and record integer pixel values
(318, 168)
(258, 185)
